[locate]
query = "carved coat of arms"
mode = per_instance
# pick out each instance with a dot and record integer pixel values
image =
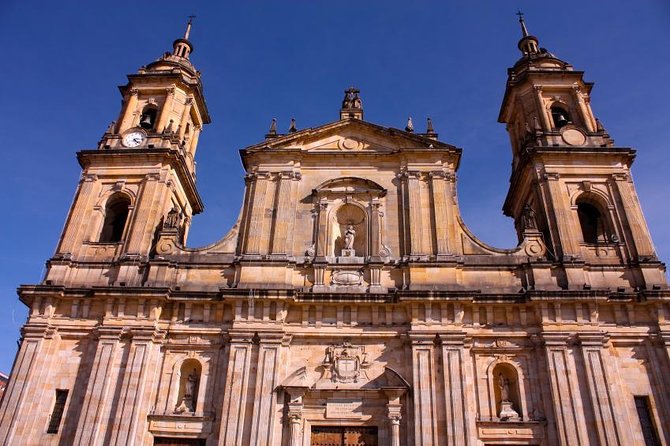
(345, 363)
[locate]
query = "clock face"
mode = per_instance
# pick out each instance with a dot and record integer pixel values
(133, 139)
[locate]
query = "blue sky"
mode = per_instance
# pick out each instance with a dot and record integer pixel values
(63, 60)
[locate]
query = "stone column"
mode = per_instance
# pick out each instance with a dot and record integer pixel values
(600, 387)
(403, 226)
(92, 422)
(425, 416)
(563, 218)
(295, 430)
(375, 228)
(440, 197)
(568, 411)
(23, 381)
(184, 117)
(167, 108)
(589, 122)
(134, 402)
(193, 145)
(72, 234)
(541, 109)
(295, 407)
(285, 214)
(128, 116)
(256, 240)
(143, 218)
(416, 228)
(265, 399)
(456, 412)
(634, 220)
(394, 414)
(322, 230)
(235, 392)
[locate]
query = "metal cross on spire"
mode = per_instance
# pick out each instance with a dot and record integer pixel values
(524, 31)
(188, 26)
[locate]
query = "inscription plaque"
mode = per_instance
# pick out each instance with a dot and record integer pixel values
(344, 408)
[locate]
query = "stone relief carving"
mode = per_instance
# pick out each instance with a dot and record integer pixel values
(346, 278)
(345, 363)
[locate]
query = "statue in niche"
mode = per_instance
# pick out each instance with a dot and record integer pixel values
(349, 236)
(507, 412)
(188, 401)
(503, 383)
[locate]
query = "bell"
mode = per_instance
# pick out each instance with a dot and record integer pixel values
(146, 122)
(562, 120)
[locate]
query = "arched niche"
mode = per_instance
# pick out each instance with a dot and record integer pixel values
(189, 386)
(349, 231)
(349, 204)
(506, 391)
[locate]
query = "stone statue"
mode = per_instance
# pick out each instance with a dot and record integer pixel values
(352, 99)
(168, 128)
(190, 383)
(528, 218)
(172, 219)
(187, 403)
(503, 383)
(349, 236)
(357, 102)
(348, 100)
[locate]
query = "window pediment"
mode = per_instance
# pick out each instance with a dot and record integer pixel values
(350, 185)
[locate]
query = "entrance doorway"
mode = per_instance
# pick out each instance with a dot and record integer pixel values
(344, 436)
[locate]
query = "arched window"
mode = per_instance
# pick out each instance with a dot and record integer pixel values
(592, 222)
(189, 385)
(560, 116)
(148, 119)
(116, 215)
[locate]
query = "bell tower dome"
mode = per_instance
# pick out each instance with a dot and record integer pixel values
(163, 105)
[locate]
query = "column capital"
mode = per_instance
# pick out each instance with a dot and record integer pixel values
(557, 339)
(593, 339)
(422, 339)
(454, 339)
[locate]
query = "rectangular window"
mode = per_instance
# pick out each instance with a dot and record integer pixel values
(57, 413)
(646, 421)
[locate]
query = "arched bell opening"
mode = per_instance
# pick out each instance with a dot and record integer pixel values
(116, 217)
(148, 118)
(593, 221)
(349, 231)
(560, 116)
(189, 383)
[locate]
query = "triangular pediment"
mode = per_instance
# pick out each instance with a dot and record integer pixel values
(349, 136)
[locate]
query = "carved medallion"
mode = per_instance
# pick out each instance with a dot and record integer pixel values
(346, 363)
(573, 137)
(346, 278)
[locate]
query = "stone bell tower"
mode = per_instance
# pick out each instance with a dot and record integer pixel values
(141, 176)
(570, 176)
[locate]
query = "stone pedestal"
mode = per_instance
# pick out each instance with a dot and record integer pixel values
(348, 252)
(507, 413)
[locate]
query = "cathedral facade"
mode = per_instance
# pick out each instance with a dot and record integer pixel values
(349, 304)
